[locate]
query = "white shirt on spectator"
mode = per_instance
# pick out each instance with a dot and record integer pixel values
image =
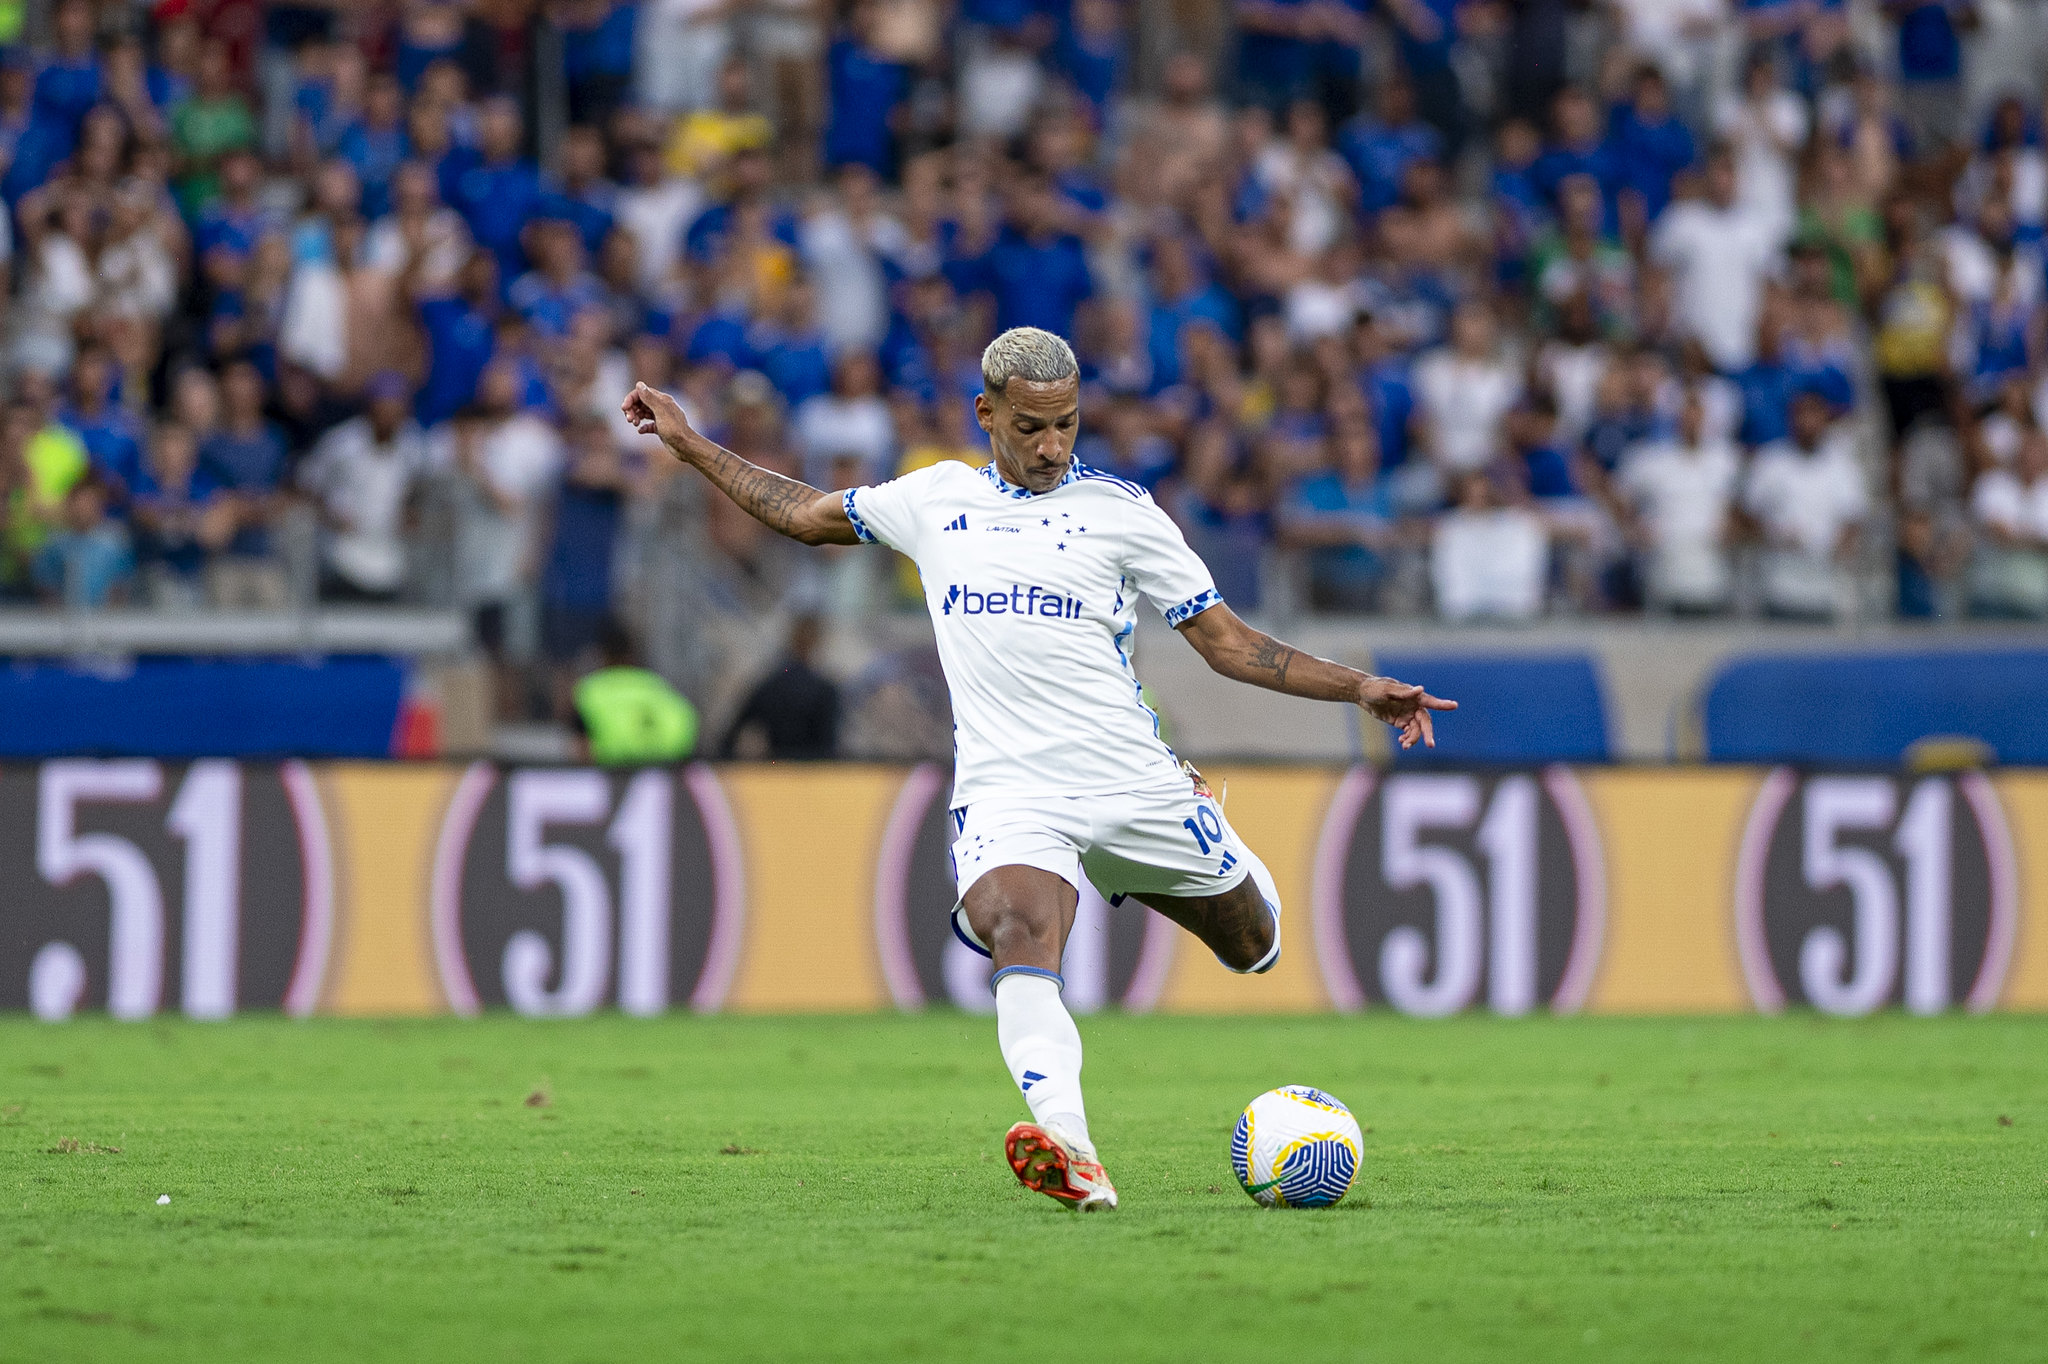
(829, 427)
(1764, 174)
(1464, 402)
(447, 248)
(1489, 564)
(1684, 494)
(1805, 501)
(2019, 509)
(1719, 259)
(363, 487)
(657, 215)
(494, 550)
(1973, 269)
(846, 267)
(1573, 374)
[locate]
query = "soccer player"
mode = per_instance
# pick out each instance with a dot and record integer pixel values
(1033, 565)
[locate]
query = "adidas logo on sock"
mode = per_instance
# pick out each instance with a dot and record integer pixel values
(1031, 1077)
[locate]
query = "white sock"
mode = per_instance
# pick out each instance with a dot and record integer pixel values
(1041, 1046)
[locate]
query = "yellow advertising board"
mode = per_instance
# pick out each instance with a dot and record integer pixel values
(387, 889)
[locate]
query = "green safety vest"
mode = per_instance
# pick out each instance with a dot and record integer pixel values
(632, 716)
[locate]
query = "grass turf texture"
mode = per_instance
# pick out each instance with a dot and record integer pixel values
(834, 1189)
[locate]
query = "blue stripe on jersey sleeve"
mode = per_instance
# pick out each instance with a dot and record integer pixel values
(860, 527)
(1194, 606)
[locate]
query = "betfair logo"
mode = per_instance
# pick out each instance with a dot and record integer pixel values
(1018, 601)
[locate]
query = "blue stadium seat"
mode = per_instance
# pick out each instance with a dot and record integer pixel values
(181, 707)
(1514, 708)
(1870, 707)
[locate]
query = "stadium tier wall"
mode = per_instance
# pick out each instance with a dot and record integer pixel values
(139, 886)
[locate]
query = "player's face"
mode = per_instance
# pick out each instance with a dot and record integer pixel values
(1031, 427)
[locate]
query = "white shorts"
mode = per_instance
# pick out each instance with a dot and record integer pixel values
(1167, 840)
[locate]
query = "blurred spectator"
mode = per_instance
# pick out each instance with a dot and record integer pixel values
(1488, 558)
(1343, 515)
(1681, 492)
(1720, 253)
(244, 457)
(2010, 507)
(362, 475)
(505, 462)
(792, 715)
(628, 715)
(84, 559)
(577, 579)
(180, 518)
(1808, 496)
(1463, 392)
(846, 435)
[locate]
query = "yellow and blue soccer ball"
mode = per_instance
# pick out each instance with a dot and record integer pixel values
(1296, 1147)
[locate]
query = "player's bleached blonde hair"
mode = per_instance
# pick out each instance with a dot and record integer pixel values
(1028, 353)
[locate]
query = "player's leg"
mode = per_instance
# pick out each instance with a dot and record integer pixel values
(1240, 925)
(1020, 910)
(1173, 851)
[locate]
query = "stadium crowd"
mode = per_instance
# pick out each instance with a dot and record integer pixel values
(1486, 308)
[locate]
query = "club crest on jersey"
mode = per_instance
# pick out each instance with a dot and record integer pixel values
(1018, 601)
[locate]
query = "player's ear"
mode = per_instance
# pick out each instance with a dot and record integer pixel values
(984, 412)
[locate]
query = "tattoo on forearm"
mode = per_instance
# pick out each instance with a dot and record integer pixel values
(763, 494)
(1269, 655)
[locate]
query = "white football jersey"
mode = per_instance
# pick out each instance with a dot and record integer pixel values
(1035, 597)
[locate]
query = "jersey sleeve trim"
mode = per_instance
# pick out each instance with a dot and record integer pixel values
(860, 527)
(1194, 606)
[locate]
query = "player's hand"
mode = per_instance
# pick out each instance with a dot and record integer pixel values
(1404, 707)
(654, 413)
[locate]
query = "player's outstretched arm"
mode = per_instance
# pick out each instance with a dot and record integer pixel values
(1237, 651)
(782, 504)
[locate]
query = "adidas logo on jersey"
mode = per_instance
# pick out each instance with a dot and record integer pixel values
(1018, 601)
(957, 523)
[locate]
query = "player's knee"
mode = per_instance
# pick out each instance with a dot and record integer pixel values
(1255, 950)
(1018, 936)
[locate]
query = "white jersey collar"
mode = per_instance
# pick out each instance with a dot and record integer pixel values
(1009, 489)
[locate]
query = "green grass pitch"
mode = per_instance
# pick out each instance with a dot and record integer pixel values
(833, 1189)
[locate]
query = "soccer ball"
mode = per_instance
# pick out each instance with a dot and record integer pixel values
(1295, 1147)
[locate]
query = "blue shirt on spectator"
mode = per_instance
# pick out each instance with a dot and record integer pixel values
(1379, 156)
(1328, 496)
(460, 344)
(1558, 163)
(706, 235)
(579, 568)
(1650, 153)
(865, 90)
(796, 363)
(376, 154)
(721, 335)
(1094, 65)
(113, 438)
(1392, 403)
(1433, 53)
(1035, 283)
(67, 90)
(251, 463)
(498, 201)
(551, 308)
(223, 226)
(1766, 388)
(603, 49)
(1549, 472)
(1929, 47)
(1273, 66)
(1167, 320)
(589, 209)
